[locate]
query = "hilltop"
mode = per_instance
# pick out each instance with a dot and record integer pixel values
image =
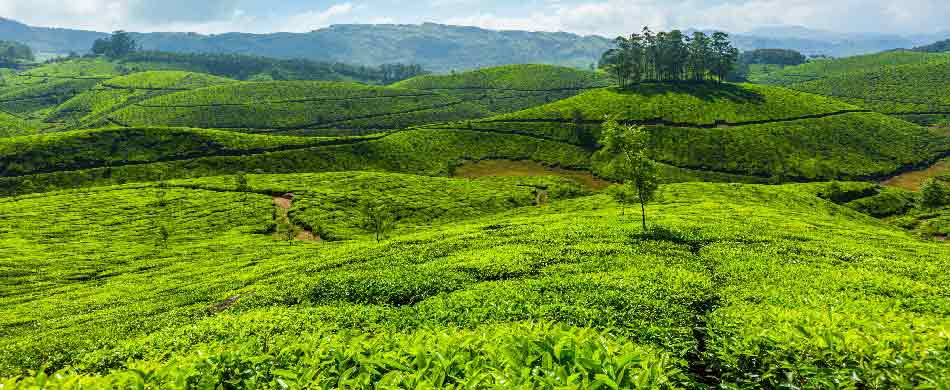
(512, 87)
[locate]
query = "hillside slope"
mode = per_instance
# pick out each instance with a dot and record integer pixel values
(110, 95)
(31, 92)
(511, 88)
(319, 108)
(737, 128)
(820, 69)
(530, 295)
(917, 91)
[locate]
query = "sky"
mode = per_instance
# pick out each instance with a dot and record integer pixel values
(585, 17)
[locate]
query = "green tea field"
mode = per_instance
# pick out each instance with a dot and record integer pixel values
(218, 221)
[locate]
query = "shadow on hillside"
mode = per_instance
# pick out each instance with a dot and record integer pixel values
(707, 91)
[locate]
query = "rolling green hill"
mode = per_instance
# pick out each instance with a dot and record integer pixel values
(919, 91)
(741, 129)
(483, 292)
(12, 125)
(110, 95)
(511, 88)
(819, 69)
(31, 92)
(303, 107)
(95, 157)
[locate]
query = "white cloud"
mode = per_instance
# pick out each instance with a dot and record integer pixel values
(313, 20)
(613, 17)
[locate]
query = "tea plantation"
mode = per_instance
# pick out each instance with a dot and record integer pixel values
(168, 229)
(511, 88)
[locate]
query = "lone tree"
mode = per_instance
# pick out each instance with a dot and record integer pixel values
(625, 150)
(933, 194)
(376, 218)
(240, 185)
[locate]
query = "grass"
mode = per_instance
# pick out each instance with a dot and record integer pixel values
(511, 88)
(320, 108)
(758, 286)
(113, 94)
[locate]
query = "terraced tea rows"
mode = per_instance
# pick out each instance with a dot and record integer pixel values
(318, 108)
(92, 106)
(717, 292)
(511, 88)
(749, 130)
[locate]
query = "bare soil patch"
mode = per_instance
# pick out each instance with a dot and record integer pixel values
(913, 180)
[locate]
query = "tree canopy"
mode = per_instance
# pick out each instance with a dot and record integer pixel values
(783, 57)
(120, 44)
(670, 56)
(12, 53)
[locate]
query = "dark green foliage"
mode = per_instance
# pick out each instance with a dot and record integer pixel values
(934, 194)
(669, 56)
(246, 67)
(781, 57)
(119, 45)
(12, 54)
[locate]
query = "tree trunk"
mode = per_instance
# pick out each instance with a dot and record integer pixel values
(643, 213)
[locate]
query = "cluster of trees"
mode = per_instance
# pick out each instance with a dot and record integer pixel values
(13, 53)
(781, 57)
(120, 44)
(934, 194)
(670, 56)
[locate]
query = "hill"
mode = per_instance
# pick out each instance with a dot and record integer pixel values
(741, 129)
(31, 92)
(12, 125)
(113, 94)
(917, 91)
(819, 69)
(715, 287)
(116, 156)
(936, 47)
(511, 88)
(302, 107)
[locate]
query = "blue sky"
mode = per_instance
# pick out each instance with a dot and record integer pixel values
(605, 17)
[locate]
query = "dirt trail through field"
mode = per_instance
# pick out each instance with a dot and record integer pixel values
(284, 204)
(914, 179)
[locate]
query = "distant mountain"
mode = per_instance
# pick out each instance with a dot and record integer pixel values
(937, 47)
(48, 40)
(443, 48)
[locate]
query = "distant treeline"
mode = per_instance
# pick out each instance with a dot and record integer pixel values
(670, 56)
(122, 47)
(782, 57)
(244, 67)
(14, 53)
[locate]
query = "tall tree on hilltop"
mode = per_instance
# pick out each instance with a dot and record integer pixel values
(669, 56)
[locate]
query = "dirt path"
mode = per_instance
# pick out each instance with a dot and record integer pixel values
(284, 205)
(913, 180)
